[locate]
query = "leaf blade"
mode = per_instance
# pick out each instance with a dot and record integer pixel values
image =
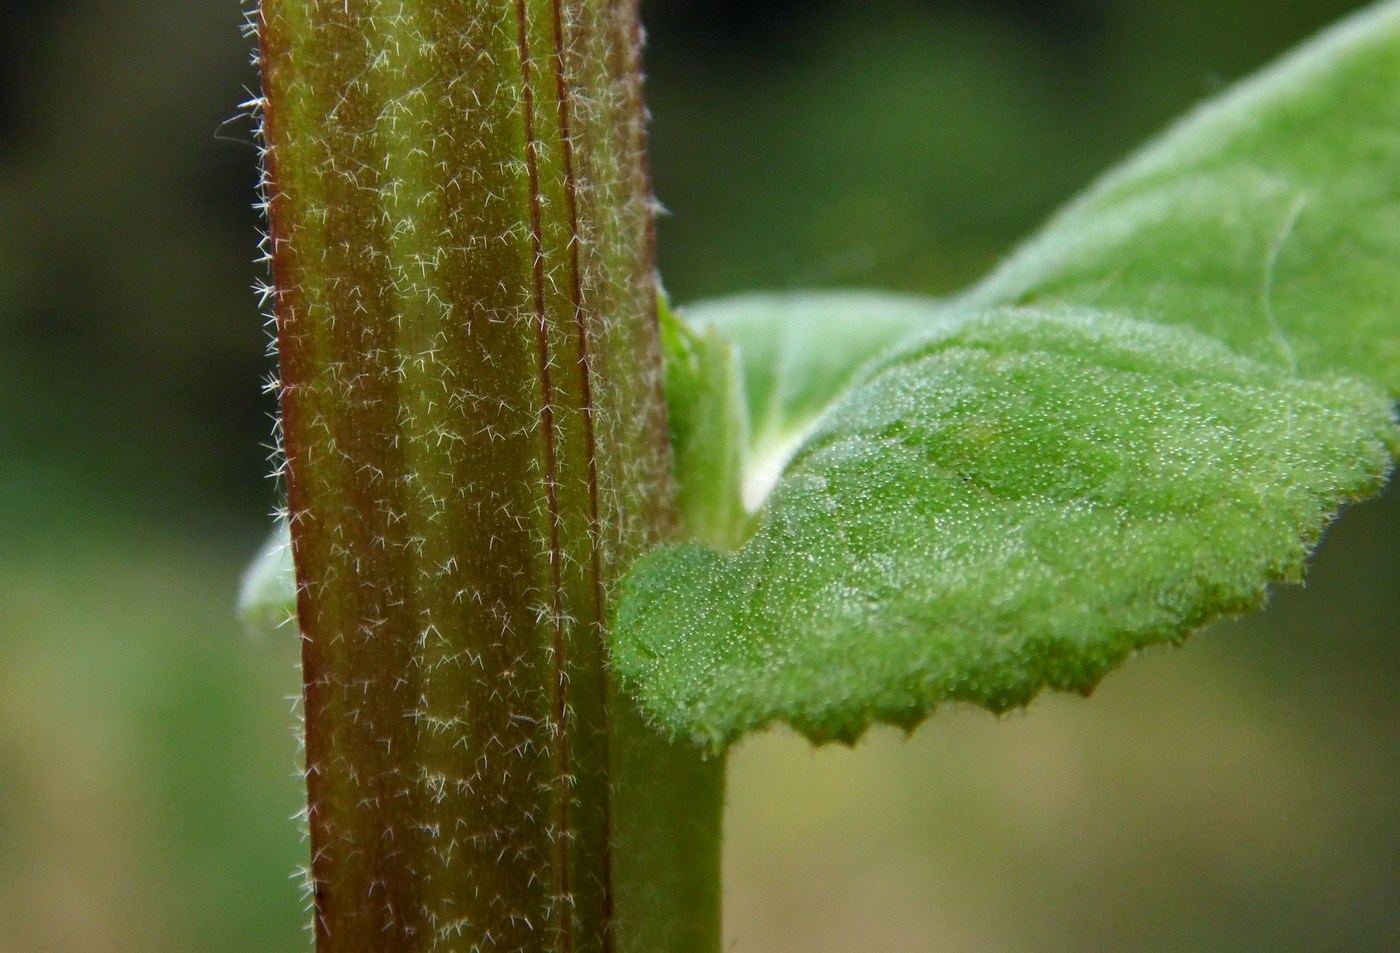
(1206, 338)
(1268, 218)
(977, 521)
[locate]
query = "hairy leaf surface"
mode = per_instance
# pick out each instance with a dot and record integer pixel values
(1146, 416)
(1268, 219)
(1015, 502)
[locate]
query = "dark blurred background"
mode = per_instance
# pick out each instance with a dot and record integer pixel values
(1238, 794)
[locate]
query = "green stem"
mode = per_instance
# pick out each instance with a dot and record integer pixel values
(459, 227)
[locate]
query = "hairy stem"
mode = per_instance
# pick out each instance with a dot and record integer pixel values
(475, 439)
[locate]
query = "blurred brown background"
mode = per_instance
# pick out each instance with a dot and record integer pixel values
(1238, 794)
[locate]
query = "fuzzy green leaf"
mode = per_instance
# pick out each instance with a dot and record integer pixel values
(1017, 498)
(1268, 219)
(1012, 501)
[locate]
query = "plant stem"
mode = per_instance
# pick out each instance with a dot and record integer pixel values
(475, 439)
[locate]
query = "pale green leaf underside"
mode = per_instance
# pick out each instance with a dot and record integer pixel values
(267, 596)
(798, 351)
(1021, 497)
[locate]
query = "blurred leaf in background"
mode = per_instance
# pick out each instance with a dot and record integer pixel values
(1235, 795)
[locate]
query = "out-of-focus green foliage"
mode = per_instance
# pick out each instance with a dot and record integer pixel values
(147, 761)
